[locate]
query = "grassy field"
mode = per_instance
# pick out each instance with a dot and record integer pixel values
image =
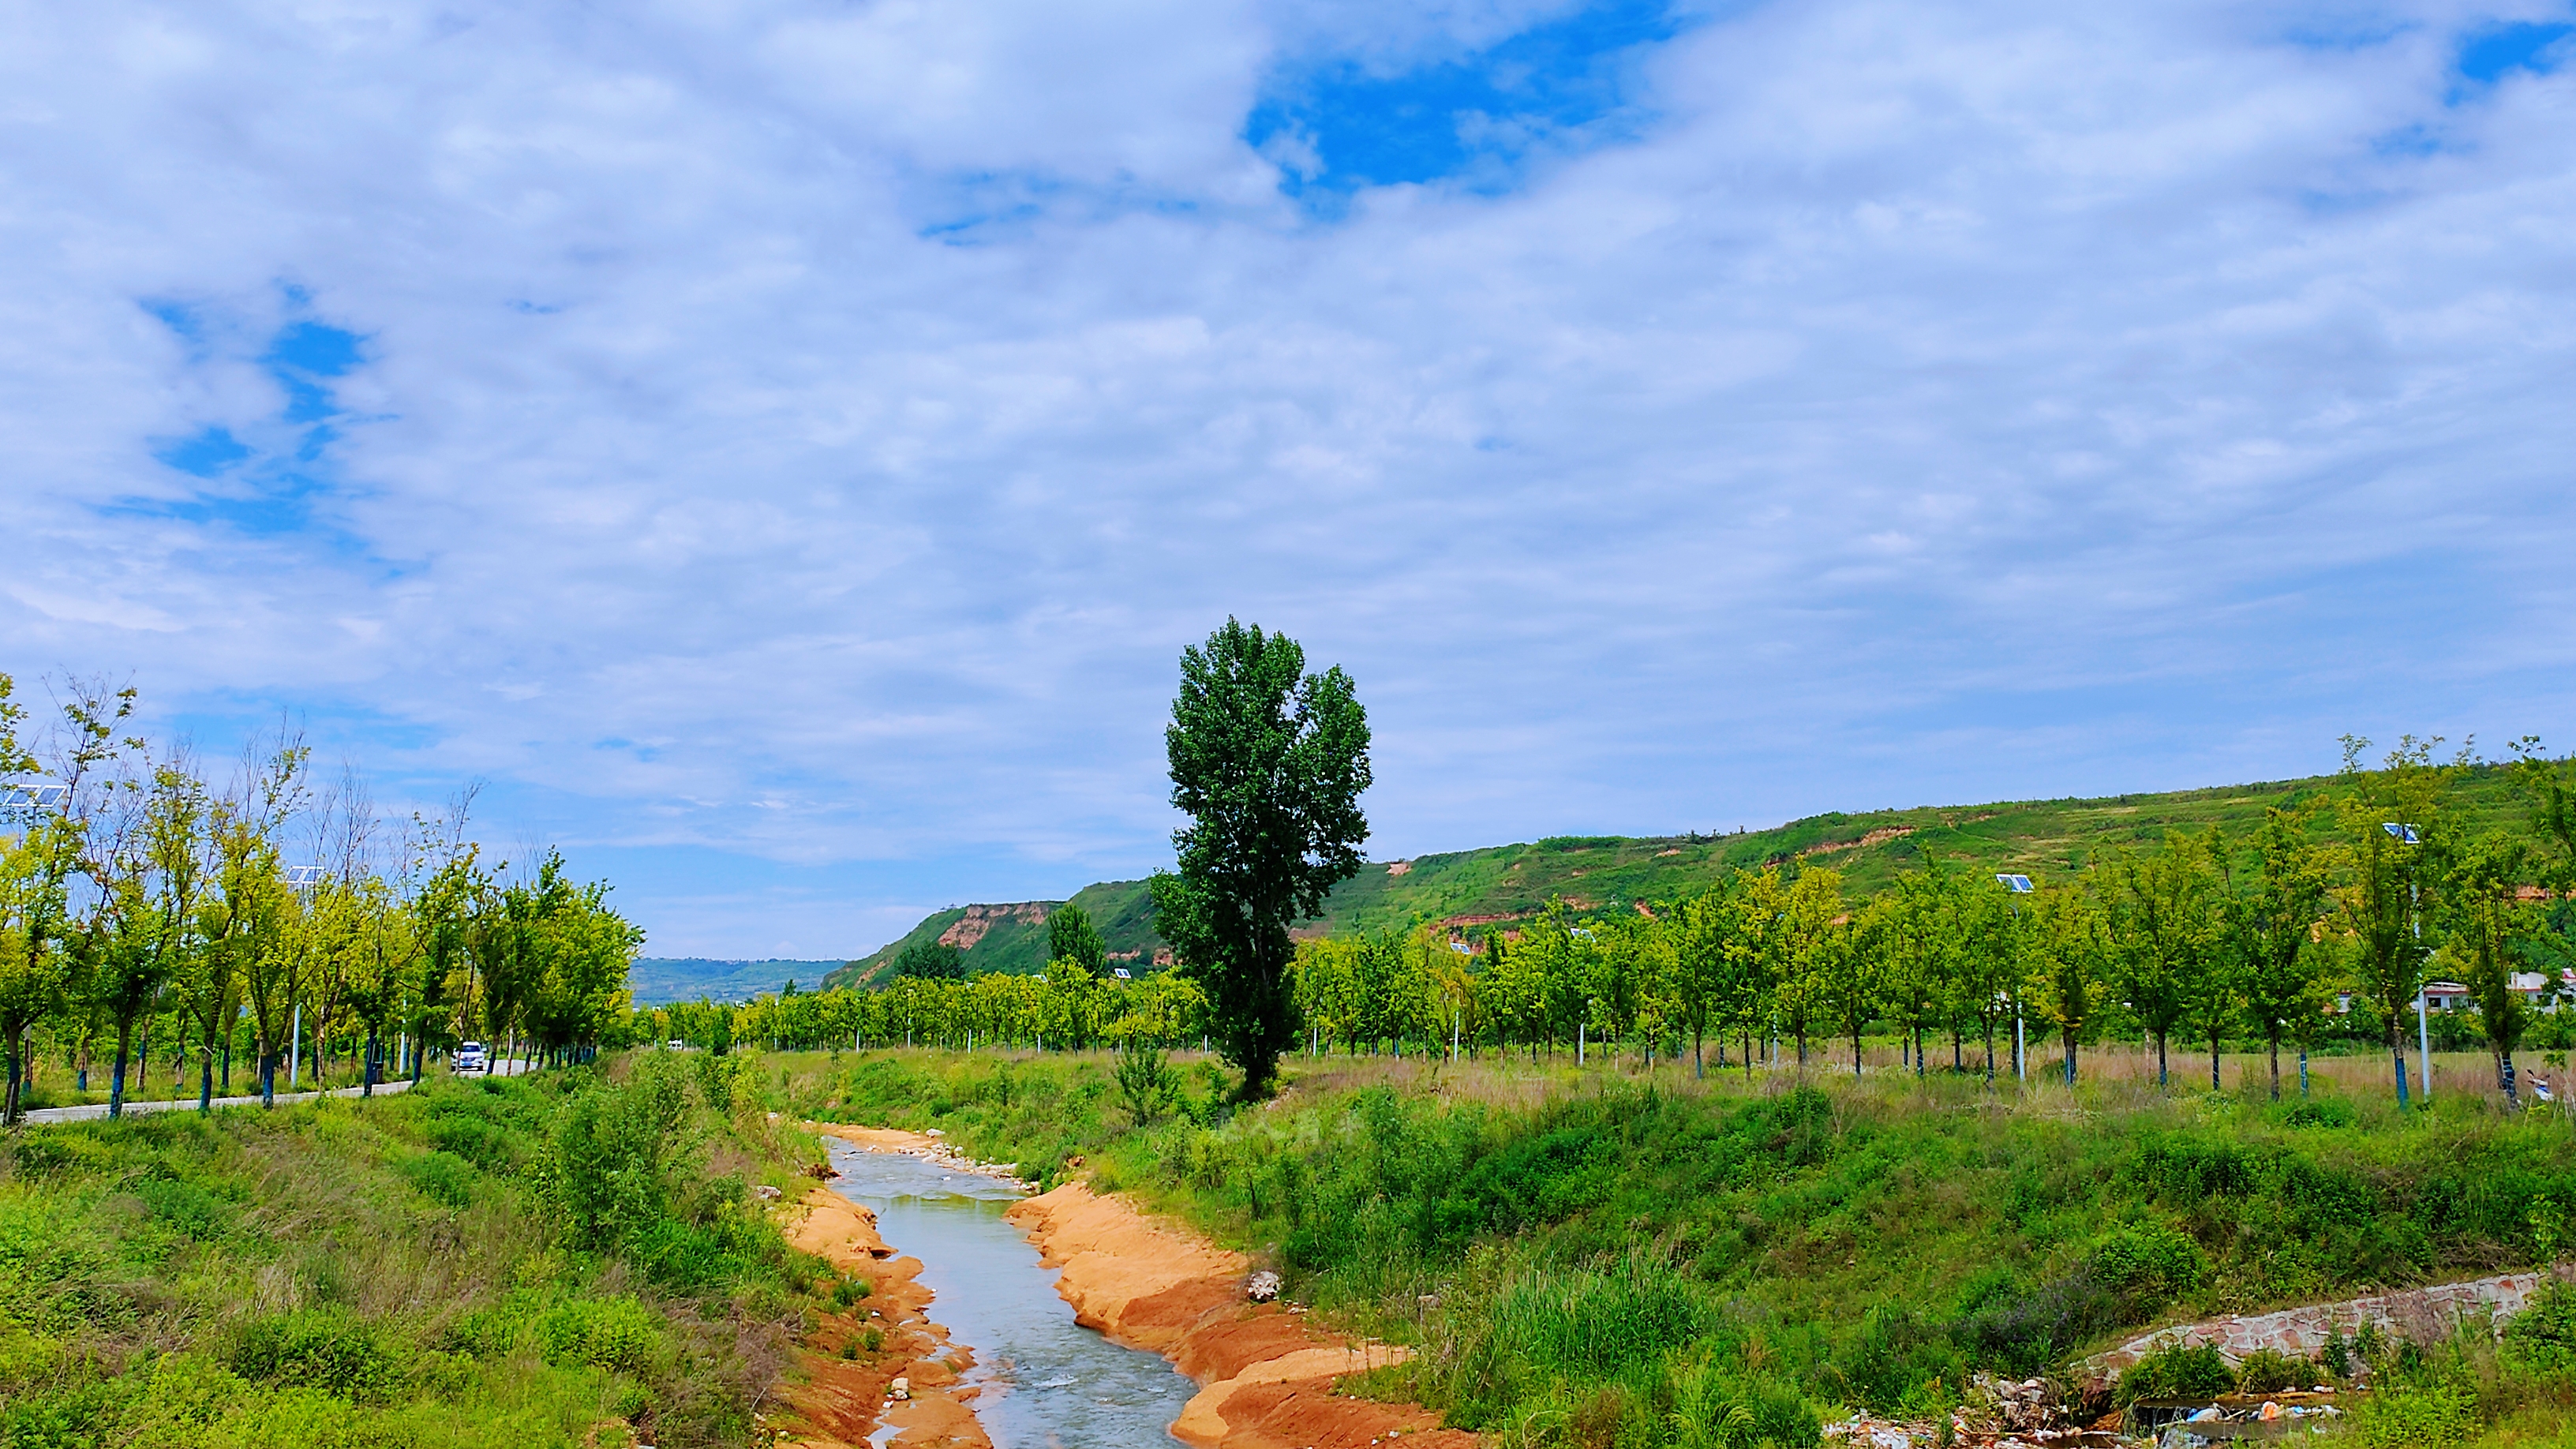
(2045, 839)
(569, 1259)
(1602, 1257)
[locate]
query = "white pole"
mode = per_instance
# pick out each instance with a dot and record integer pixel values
(1579, 1028)
(295, 1048)
(2021, 1053)
(2424, 1045)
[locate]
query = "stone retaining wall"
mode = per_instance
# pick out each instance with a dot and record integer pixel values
(2417, 1313)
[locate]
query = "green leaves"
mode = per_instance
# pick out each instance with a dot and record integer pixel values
(1268, 762)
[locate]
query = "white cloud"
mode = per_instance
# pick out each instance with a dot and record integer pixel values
(813, 430)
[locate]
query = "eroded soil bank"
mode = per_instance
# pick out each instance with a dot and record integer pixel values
(843, 1400)
(1265, 1375)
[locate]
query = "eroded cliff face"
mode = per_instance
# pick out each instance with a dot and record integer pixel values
(972, 927)
(1265, 1376)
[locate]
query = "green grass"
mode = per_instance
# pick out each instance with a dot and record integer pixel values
(466, 1264)
(1596, 1258)
(2047, 839)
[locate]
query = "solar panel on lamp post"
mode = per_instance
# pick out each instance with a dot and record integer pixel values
(2019, 885)
(23, 805)
(2404, 834)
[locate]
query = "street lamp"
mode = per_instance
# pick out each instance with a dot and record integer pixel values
(302, 878)
(2405, 834)
(2019, 885)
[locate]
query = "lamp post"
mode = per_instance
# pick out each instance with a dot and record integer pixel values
(2404, 834)
(302, 878)
(2018, 885)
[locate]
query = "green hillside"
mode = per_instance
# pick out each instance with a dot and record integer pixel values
(1474, 888)
(661, 980)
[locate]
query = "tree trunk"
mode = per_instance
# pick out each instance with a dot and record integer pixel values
(2068, 1037)
(2504, 1078)
(267, 1078)
(206, 1072)
(1699, 1069)
(2161, 1080)
(2397, 1053)
(9, 1103)
(2213, 1063)
(1990, 1054)
(2303, 1074)
(116, 1073)
(2275, 1042)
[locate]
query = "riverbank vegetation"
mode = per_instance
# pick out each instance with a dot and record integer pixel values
(575, 1257)
(1615, 1255)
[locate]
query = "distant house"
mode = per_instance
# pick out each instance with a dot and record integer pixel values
(2447, 996)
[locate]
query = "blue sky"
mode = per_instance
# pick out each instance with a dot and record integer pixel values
(781, 449)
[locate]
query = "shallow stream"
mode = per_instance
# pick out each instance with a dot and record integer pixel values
(1045, 1382)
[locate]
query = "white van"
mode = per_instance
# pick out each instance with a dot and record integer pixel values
(469, 1057)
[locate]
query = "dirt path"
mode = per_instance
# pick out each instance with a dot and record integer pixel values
(1265, 1376)
(843, 1400)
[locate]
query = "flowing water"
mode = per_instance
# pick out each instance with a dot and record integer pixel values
(1046, 1382)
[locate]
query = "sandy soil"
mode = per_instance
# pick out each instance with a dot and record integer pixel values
(841, 1401)
(1265, 1377)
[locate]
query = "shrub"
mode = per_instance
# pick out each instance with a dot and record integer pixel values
(2178, 1371)
(324, 1351)
(1146, 1081)
(2543, 1335)
(613, 1333)
(442, 1177)
(2268, 1371)
(2414, 1417)
(2149, 1265)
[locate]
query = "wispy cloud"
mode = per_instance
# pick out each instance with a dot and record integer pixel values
(785, 447)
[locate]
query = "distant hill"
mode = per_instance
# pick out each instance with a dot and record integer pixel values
(661, 980)
(1473, 890)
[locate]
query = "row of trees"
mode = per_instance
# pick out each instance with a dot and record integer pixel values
(142, 905)
(2348, 901)
(1070, 1008)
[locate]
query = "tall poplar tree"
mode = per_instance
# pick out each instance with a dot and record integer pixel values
(1268, 762)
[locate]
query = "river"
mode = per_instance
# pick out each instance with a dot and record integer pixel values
(1044, 1381)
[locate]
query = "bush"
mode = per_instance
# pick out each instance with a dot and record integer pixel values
(323, 1351)
(2415, 1417)
(2149, 1265)
(611, 1333)
(1146, 1082)
(2177, 1371)
(2268, 1371)
(2543, 1335)
(442, 1177)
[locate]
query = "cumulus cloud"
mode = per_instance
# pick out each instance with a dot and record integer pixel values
(786, 445)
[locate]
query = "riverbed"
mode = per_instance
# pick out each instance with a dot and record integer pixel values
(1041, 1380)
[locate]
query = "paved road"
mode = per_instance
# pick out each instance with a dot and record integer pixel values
(95, 1110)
